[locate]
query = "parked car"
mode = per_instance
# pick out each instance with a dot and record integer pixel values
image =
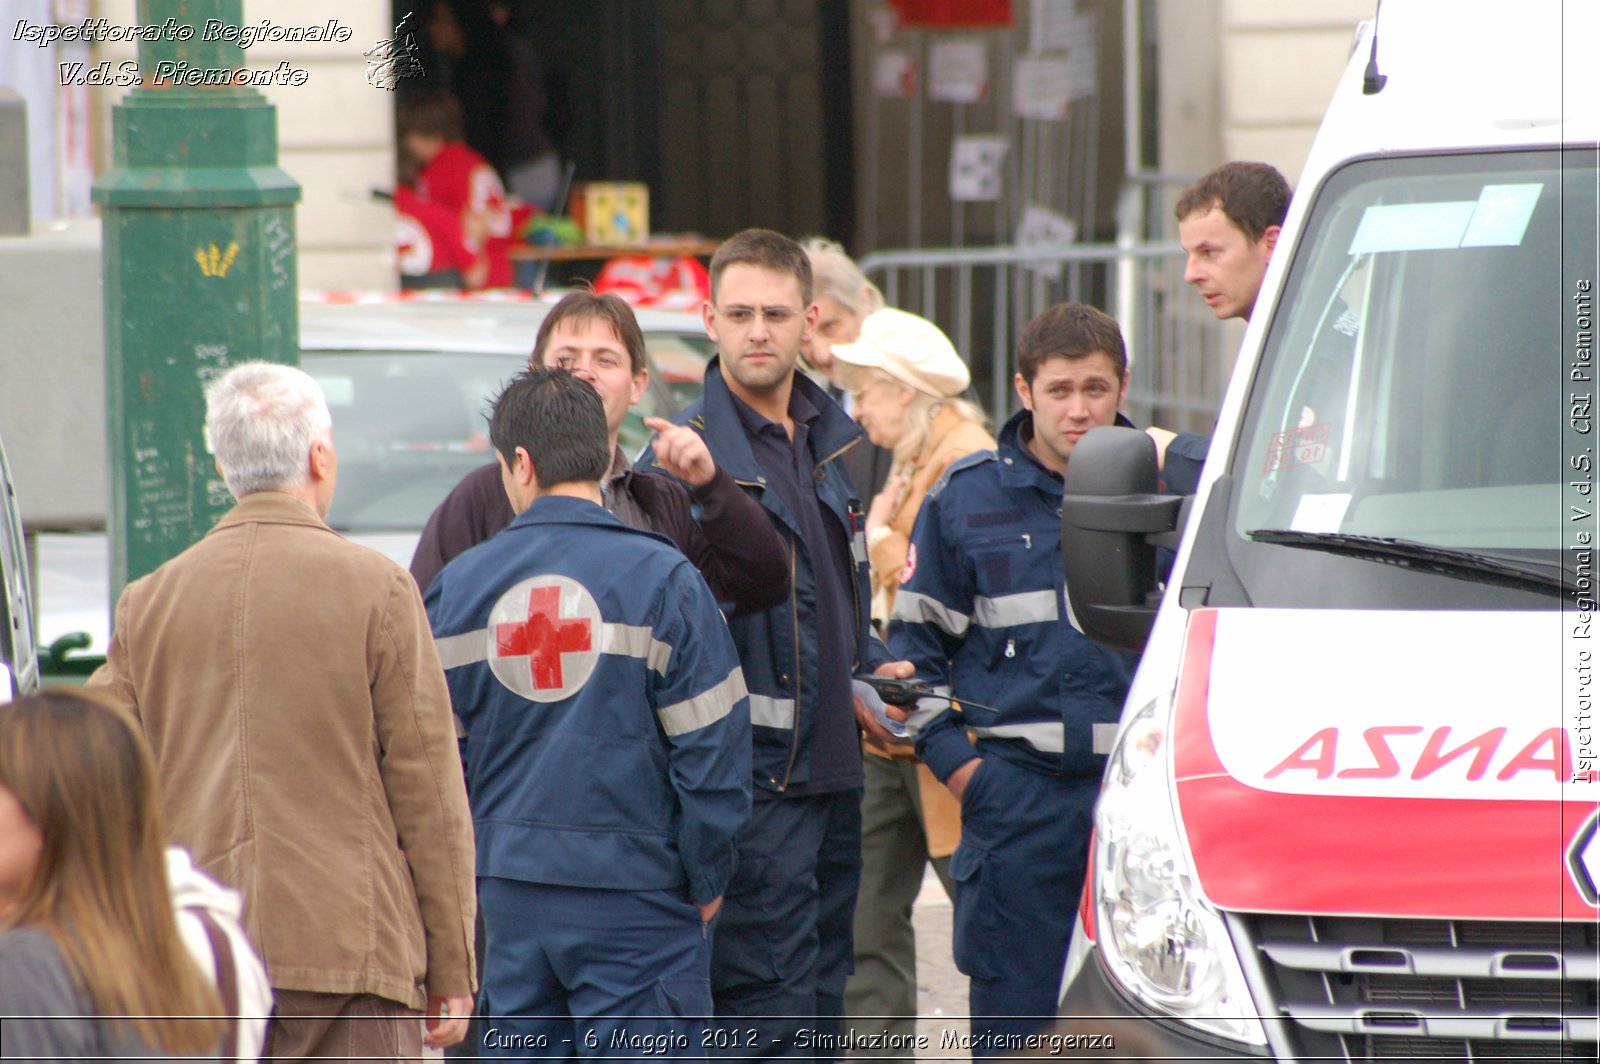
(19, 665)
(409, 383)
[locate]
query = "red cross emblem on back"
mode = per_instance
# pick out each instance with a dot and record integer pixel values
(544, 637)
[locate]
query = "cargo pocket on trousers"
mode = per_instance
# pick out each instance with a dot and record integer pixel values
(684, 999)
(744, 948)
(973, 936)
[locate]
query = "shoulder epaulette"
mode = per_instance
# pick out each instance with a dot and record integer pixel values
(976, 458)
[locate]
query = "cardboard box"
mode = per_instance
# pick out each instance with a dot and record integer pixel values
(611, 213)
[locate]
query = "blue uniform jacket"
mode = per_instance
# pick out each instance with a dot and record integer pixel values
(984, 616)
(777, 647)
(608, 732)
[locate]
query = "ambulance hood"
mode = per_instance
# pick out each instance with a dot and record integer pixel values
(1417, 764)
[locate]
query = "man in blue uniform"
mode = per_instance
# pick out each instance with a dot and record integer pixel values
(1228, 224)
(783, 946)
(608, 757)
(983, 615)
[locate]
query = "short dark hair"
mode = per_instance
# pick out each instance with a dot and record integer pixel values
(559, 420)
(583, 305)
(767, 249)
(431, 112)
(1254, 196)
(1070, 330)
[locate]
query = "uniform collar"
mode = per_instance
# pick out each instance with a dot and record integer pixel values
(271, 507)
(565, 510)
(1019, 467)
(719, 422)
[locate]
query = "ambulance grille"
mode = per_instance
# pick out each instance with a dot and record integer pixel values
(1436, 990)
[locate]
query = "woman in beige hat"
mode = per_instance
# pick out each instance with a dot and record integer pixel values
(905, 379)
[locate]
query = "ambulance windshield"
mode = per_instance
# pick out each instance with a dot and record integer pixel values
(1428, 374)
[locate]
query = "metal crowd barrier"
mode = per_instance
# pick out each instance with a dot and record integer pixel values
(1180, 356)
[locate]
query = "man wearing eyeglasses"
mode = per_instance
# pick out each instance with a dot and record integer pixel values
(782, 943)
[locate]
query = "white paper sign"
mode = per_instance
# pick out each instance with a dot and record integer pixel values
(894, 75)
(1041, 87)
(885, 22)
(1054, 25)
(1084, 65)
(975, 167)
(1042, 227)
(958, 70)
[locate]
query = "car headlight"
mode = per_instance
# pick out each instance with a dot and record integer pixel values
(1160, 940)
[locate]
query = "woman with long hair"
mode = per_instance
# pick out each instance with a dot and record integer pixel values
(906, 381)
(91, 960)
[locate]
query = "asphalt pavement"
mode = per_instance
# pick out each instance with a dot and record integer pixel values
(941, 990)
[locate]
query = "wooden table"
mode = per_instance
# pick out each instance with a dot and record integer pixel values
(668, 249)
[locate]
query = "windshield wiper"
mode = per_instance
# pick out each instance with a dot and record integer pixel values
(1409, 553)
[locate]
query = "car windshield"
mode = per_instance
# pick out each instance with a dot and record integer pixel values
(407, 426)
(1425, 379)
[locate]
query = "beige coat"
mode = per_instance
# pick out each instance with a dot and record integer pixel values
(951, 438)
(288, 683)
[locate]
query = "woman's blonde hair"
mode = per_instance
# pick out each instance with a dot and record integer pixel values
(81, 770)
(919, 415)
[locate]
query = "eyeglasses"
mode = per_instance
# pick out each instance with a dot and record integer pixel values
(777, 317)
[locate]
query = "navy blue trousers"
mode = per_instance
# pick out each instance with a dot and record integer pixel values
(782, 948)
(592, 973)
(1019, 873)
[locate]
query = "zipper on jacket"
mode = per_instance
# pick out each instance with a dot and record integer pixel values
(794, 627)
(794, 623)
(855, 577)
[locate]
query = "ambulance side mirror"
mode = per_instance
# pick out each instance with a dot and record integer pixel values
(1112, 522)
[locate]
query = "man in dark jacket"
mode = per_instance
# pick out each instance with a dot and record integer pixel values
(984, 617)
(783, 947)
(733, 545)
(608, 754)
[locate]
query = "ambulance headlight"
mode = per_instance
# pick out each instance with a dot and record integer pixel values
(1164, 945)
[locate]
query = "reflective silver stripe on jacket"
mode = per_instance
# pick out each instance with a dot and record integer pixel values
(1004, 611)
(624, 640)
(1072, 619)
(769, 712)
(1050, 737)
(927, 709)
(1027, 607)
(917, 608)
(464, 649)
(635, 641)
(705, 708)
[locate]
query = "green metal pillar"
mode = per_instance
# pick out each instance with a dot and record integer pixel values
(199, 267)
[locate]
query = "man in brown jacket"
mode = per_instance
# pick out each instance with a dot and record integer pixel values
(288, 683)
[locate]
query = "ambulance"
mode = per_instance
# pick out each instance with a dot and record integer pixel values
(1352, 810)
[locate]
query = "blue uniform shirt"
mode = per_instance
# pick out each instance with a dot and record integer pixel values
(984, 616)
(608, 729)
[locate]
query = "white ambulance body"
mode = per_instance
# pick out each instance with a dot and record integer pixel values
(1352, 810)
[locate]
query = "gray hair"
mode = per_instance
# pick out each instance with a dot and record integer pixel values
(919, 426)
(835, 274)
(262, 418)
